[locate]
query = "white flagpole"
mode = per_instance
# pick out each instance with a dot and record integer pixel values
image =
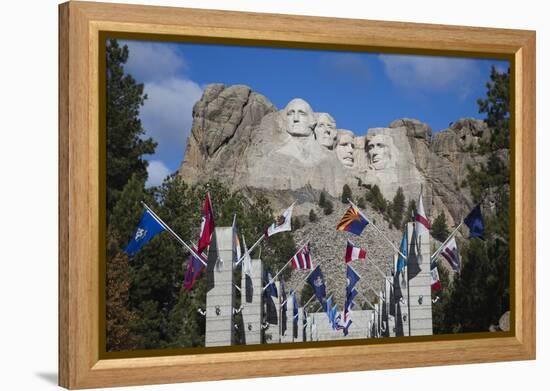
(436, 253)
(368, 301)
(307, 302)
(159, 220)
(378, 269)
(378, 230)
(284, 267)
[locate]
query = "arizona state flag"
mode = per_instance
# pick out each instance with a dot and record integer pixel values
(353, 221)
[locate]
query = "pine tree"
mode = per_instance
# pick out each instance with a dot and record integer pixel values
(119, 318)
(375, 197)
(322, 199)
(439, 230)
(312, 216)
(329, 207)
(397, 207)
(346, 194)
(497, 107)
(480, 294)
(125, 145)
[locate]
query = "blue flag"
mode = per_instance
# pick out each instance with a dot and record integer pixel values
(294, 315)
(317, 282)
(474, 221)
(271, 289)
(147, 228)
(401, 261)
(332, 316)
(352, 278)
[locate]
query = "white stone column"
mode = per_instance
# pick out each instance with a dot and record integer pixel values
(390, 303)
(300, 337)
(273, 332)
(420, 294)
(252, 312)
(220, 293)
(287, 338)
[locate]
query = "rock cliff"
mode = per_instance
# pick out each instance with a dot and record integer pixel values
(240, 138)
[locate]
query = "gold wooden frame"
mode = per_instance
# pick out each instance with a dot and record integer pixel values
(80, 25)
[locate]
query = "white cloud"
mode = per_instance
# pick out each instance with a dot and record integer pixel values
(153, 61)
(347, 64)
(167, 116)
(156, 171)
(431, 74)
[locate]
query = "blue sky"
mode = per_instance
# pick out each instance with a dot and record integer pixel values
(360, 90)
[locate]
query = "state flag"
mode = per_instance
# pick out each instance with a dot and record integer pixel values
(207, 225)
(302, 259)
(269, 294)
(451, 254)
(421, 219)
(317, 282)
(195, 266)
(148, 227)
(353, 252)
(436, 283)
(475, 223)
(247, 271)
(282, 223)
(353, 221)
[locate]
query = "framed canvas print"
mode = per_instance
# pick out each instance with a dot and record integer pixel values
(241, 192)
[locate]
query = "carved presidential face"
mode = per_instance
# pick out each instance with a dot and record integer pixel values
(344, 148)
(325, 130)
(299, 118)
(379, 151)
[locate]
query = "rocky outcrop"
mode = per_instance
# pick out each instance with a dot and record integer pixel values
(224, 120)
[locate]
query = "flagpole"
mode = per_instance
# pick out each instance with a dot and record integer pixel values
(436, 253)
(378, 229)
(284, 267)
(307, 302)
(378, 269)
(250, 250)
(368, 301)
(161, 222)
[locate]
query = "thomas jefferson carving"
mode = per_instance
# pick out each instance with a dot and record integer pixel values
(325, 130)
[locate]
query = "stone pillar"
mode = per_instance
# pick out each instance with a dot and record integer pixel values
(308, 335)
(390, 307)
(273, 332)
(252, 312)
(420, 293)
(300, 337)
(220, 293)
(287, 338)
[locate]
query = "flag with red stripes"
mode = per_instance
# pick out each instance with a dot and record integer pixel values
(302, 259)
(353, 252)
(436, 283)
(207, 225)
(450, 253)
(421, 216)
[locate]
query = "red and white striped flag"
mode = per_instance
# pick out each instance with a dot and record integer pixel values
(302, 259)
(353, 252)
(436, 283)
(450, 253)
(423, 223)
